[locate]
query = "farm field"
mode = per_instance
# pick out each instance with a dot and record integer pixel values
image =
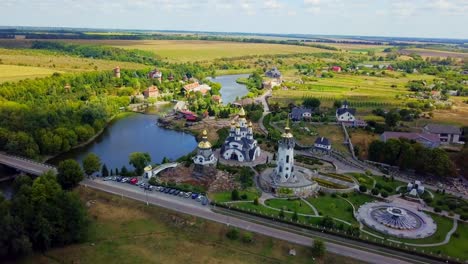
(46, 63)
(15, 73)
(362, 139)
(197, 50)
(135, 233)
(435, 53)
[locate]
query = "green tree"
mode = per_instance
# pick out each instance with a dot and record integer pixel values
(281, 213)
(233, 233)
(235, 195)
(318, 248)
(105, 171)
(295, 217)
(139, 161)
(392, 118)
(311, 102)
(69, 174)
(91, 163)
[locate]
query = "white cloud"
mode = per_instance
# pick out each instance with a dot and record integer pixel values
(272, 4)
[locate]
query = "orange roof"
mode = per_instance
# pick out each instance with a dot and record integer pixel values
(191, 86)
(152, 88)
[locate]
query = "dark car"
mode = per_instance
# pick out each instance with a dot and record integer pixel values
(194, 196)
(167, 190)
(172, 191)
(176, 192)
(204, 201)
(119, 179)
(162, 189)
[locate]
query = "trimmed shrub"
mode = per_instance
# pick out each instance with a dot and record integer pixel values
(384, 194)
(363, 188)
(233, 234)
(375, 191)
(437, 209)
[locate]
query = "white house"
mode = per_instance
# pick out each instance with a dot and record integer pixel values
(322, 144)
(345, 114)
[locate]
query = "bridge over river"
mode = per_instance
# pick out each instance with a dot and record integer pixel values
(25, 165)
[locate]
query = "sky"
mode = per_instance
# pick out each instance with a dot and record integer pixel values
(402, 18)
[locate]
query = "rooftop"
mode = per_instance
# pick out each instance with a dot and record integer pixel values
(442, 129)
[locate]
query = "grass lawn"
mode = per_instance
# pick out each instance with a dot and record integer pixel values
(390, 185)
(15, 73)
(358, 199)
(198, 50)
(334, 207)
(222, 197)
(458, 244)
(127, 231)
(290, 205)
(363, 179)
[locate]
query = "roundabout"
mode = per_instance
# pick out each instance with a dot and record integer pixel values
(396, 219)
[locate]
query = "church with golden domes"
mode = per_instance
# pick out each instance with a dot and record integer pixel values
(205, 154)
(240, 145)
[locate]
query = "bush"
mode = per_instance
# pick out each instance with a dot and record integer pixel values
(378, 186)
(255, 202)
(363, 188)
(375, 191)
(344, 195)
(152, 181)
(333, 195)
(388, 188)
(233, 234)
(428, 200)
(247, 237)
(243, 196)
(464, 216)
(437, 209)
(235, 195)
(319, 249)
(384, 194)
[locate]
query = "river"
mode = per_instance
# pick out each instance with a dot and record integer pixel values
(230, 89)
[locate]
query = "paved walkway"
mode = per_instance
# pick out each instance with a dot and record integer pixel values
(311, 206)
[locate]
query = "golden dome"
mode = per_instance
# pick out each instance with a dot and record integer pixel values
(233, 123)
(205, 144)
(238, 125)
(204, 133)
(287, 132)
(242, 112)
(250, 124)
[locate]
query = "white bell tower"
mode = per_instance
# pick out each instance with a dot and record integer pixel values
(285, 163)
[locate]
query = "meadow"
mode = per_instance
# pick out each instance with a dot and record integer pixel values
(15, 73)
(51, 62)
(198, 50)
(131, 232)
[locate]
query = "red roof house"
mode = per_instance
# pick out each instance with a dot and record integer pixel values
(151, 92)
(336, 68)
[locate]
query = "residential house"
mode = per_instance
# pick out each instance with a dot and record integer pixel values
(151, 92)
(273, 73)
(197, 87)
(345, 114)
(426, 139)
(322, 144)
(155, 74)
(301, 113)
(117, 72)
(188, 115)
(217, 99)
(271, 83)
(446, 133)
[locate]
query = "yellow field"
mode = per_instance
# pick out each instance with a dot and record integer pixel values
(435, 53)
(196, 50)
(14, 72)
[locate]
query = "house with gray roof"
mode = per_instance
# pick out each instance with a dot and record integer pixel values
(447, 134)
(301, 113)
(345, 114)
(322, 144)
(273, 73)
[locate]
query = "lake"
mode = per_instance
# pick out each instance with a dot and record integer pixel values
(230, 89)
(134, 133)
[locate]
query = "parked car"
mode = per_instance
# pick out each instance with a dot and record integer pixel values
(114, 178)
(194, 196)
(181, 194)
(167, 190)
(162, 189)
(200, 197)
(119, 179)
(171, 191)
(107, 179)
(188, 194)
(134, 181)
(204, 201)
(176, 192)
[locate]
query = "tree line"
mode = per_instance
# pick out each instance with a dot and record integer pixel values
(408, 154)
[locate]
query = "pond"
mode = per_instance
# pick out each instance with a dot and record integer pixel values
(134, 133)
(230, 89)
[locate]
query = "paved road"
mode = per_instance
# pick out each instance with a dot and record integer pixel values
(25, 165)
(192, 208)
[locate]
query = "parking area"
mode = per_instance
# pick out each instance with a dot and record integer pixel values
(141, 185)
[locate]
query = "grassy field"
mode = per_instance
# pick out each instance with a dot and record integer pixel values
(435, 53)
(15, 73)
(197, 50)
(222, 197)
(334, 207)
(45, 63)
(362, 139)
(126, 231)
(290, 205)
(457, 245)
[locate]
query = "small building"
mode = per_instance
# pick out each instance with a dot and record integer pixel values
(217, 99)
(271, 83)
(155, 74)
(273, 73)
(197, 87)
(336, 68)
(151, 92)
(301, 113)
(322, 144)
(345, 114)
(205, 154)
(148, 172)
(415, 188)
(447, 134)
(425, 139)
(117, 72)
